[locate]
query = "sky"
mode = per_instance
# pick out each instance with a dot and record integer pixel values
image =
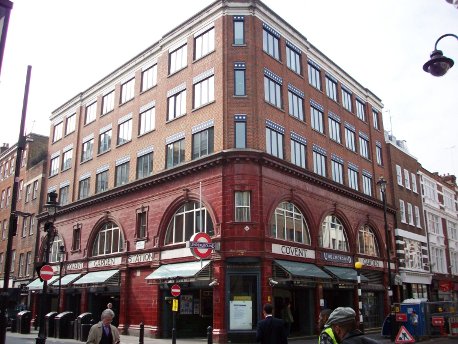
(72, 44)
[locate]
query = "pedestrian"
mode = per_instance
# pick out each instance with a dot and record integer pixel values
(414, 322)
(271, 330)
(287, 316)
(104, 332)
(326, 334)
(343, 323)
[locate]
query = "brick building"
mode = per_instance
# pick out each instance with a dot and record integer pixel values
(31, 181)
(235, 125)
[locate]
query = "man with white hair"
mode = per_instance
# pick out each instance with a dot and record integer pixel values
(343, 323)
(103, 332)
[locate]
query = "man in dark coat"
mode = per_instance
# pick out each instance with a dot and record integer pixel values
(271, 330)
(343, 323)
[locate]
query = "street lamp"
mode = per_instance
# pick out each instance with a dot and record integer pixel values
(61, 265)
(439, 64)
(382, 185)
(358, 267)
(51, 206)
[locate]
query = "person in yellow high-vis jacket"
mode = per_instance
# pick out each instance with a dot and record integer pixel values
(326, 335)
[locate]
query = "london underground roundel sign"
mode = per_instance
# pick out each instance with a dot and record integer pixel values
(201, 245)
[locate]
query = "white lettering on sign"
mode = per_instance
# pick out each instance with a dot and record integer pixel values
(293, 251)
(140, 258)
(104, 262)
(75, 266)
(371, 262)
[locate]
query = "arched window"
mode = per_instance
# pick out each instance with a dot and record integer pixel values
(332, 234)
(367, 242)
(288, 223)
(109, 240)
(54, 251)
(189, 219)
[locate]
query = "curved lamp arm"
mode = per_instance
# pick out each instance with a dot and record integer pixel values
(439, 64)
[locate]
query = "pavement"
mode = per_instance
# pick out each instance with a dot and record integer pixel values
(16, 338)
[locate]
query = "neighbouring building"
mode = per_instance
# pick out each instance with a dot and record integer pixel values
(29, 201)
(235, 125)
(410, 232)
(439, 195)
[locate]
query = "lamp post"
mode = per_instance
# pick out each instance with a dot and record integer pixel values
(5, 9)
(358, 267)
(52, 207)
(439, 64)
(61, 265)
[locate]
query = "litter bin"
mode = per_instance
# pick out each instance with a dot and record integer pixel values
(23, 320)
(49, 324)
(63, 326)
(81, 329)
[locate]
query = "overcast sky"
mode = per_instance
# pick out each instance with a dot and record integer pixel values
(71, 44)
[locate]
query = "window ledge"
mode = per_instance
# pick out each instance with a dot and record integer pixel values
(202, 106)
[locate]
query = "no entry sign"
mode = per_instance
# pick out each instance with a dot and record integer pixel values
(201, 245)
(46, 272)
(175, 290)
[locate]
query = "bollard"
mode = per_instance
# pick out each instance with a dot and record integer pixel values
(209, 335)
(142, 333)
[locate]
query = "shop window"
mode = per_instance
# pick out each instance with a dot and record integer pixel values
(367, 242)
(108, 240)
(190, 218)
(288, 223)
(332, 234)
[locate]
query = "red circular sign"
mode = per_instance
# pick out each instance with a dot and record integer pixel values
(46, 272)
(201, 245)
(175, 290)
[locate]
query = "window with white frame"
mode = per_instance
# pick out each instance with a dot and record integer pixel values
(314, 75)
(178, 59)
(317, 119)
(145, 165)
(58, 128)
(353, 178)
(410, 214)
(438, 259)
(375, 119)
(434, 224)
(31, 225)
(367, 184)
(452, 230)
(54, 252)
(2, 204)
(454, 262)
(54, 166)
(204, 92)
(274, 142)
(270, 43)
(147, 121)
(25, 227)
(105, 141)
(70, 124)
(367, 242)
(346, 99)
(21, 265)
(331, 88)
(28, 264)
(122, 173)
(8, 196)
(293, 59)
(417, 217)
(378, 155)
(402, 211)
(334, 128)
(360, 110)
(192, 217)
(67, 158)
(272, 91)
(202, 143)
(407, 179)
(449, 201)
(28, 192)
(413, 254)
(127, 91)
(337, 171)
(350, 141)
(84, 188)
(108, 102)
(124, 132)
(176, 105)
(149, 77)
(399, 174)
(64, 194)
(364, 147)
(34, 192)
(109, 240)
(319, 163)
(298, 153)
(91, 111)
(242, 206)
(288, 223)
(86, 152)
(296, 105)
(430, 190)
(101, 181)
(414, 182)
(175, 153)
(204, 43)
(332, 234)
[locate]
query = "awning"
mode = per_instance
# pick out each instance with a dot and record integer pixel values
(98, 277)
(66, 280)
(178, 270)
(38, 285)
(298, 269)
(346, 274)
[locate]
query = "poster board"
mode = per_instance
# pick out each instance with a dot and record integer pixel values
(186, 304)
(241, 315)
